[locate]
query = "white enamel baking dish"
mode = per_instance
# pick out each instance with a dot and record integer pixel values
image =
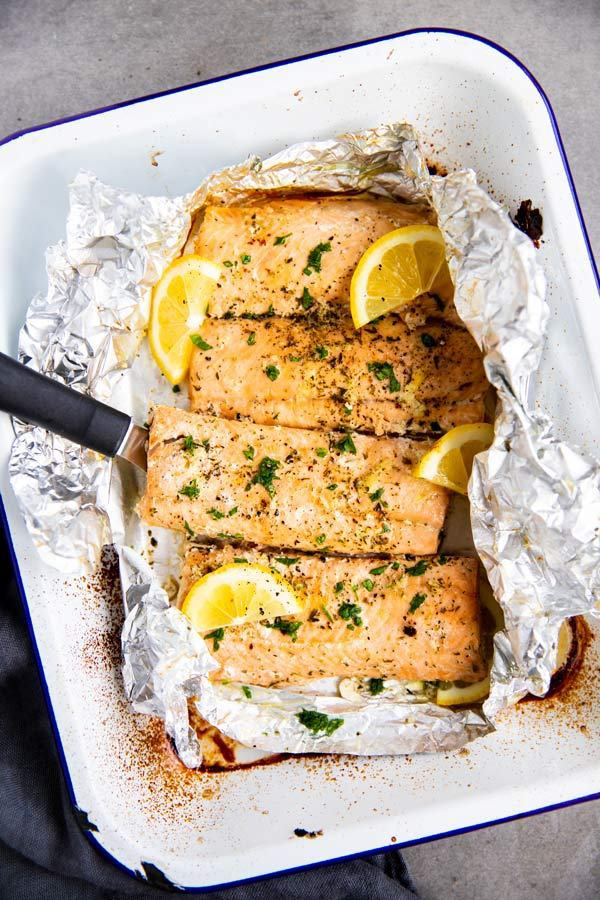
(476, 106)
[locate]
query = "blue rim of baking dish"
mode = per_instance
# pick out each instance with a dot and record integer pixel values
(3, 519)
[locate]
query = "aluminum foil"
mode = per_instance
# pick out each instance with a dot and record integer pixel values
(535, 503)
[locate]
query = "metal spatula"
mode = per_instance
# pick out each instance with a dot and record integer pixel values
(40, 400)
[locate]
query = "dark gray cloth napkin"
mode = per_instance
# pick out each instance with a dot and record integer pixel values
(43, 853)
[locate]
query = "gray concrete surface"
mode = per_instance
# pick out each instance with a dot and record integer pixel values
(60, 57)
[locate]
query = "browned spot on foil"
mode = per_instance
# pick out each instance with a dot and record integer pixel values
(561, 680)
(529, 221)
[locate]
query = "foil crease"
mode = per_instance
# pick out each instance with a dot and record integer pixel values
(534, 502)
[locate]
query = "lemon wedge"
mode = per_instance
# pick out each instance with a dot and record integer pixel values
(396, 269)
(450, 460)
(179, 303)
(238, 593)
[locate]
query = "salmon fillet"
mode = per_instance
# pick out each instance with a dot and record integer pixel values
(289, 487)
(439, 639)
(265, 250)
(384, 378)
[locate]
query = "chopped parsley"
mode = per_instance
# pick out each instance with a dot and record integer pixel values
(346, 445)
(419, 568)
(313, 263)
(191, 490)
(306, 301)
(320, 539)
(331, 487)
(217, 636)
(368, 583)
(327, 613)
(246, 691)
(227, 263)
(281, 239)
(321, 352)
(227, 536)
(251, 339)
(339, 587)
(176, 389)
(379, 570)
(189, 444)
(239, 559)
(249, 452)
(416, 602)
(287, 560)
(317, 721)
(285, 626)
(350, 612)
(198, 341)
(265, 475)
(384, 372)
(272, 372)
(321, 452)
(395, 566)
(376, 495)
(245, 258)
(375, 686)
(186, 525)
(206, 444)
(215, 513)
(295, 358)
(232, 511)
(428, 340)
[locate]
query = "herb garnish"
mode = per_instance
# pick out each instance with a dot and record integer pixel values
(227, 263)
(249, 452)
(198, 341)
(321, 352)
(379, 570)
(376, 495)
(375, 686)
(265, 475)
(272, 372)
(320, 539)
(239, 559)
(395, 566)
(346, 445)
(317, 721)
(245, 258)
(206, 444)
(189, 444)
(368, 583)
(251, 339)
(281, 239)
(314, 258)
(247, 692)
(416, 601)
(384, 371)
(306, 300)
(217, 636)
(287, 560)
(419, 568)
(215, 513)
(350, 612)
(339, 587)
(331, 487)
(428, 340)
(285, 626)
(191, 490)
(321, 452)
(186, 525)
(327, 613)
(443, 559)
(227, 536)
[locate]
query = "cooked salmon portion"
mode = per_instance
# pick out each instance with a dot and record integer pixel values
(289, 487)
(290, 256)
(369, 618)
(384, 378)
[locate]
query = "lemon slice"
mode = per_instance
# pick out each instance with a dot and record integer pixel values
(468, 693)
(179, 303)
(238, 593)
(450, 460)
(396, 269)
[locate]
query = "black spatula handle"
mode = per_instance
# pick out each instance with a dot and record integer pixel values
(39, 400)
